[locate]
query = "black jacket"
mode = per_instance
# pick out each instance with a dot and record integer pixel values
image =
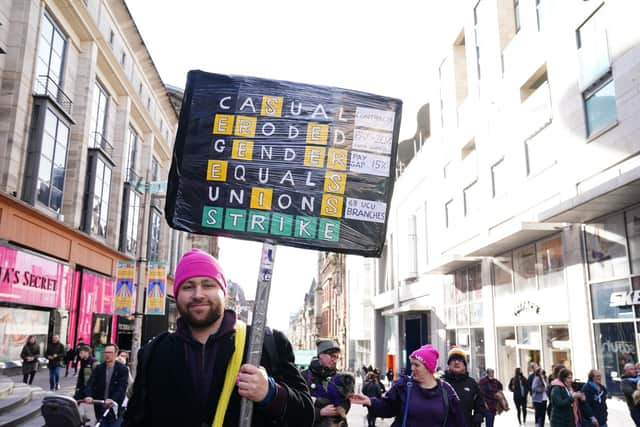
(32, 351)
(468, 391)
(171, 399)
(595, 403)
(514, 386)
(56, 349)
(84, 375)
(117, 387)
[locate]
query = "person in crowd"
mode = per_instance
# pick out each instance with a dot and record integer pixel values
(372, 388)
(473, 406)
(108, 382)
(533, 367)
(594, 409)
(519, 386)
(87, 364)
(55, 355)
(539, 397)
(123, 358)
(29, 356)
(628, 385)
(389, 376)
(180, 376)
(554, 374)
(420, 400)
(490, 388)
(327, 385)
(565, 401)
(71, 358)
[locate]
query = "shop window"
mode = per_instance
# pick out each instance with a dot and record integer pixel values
(503, 276)
(607, 249)
(525, 269)
(462, 294)
(476, 314)
(474, 276)
(557, 346)
(462, 339)
(601, 301)
(462, 315)
(17, 324)
(615, 347)
(507, 357)
(478, 364)
(550, 262)
(529, 336)
(633, 232)
(600, 106)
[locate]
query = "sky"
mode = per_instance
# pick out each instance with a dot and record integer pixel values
(373, 46)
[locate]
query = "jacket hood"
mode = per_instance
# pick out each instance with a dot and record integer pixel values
(183, 330)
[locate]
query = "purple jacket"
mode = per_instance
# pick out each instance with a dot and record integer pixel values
(424, 404)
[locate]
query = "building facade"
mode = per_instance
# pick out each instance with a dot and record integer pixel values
(85, 145)
(513, 226)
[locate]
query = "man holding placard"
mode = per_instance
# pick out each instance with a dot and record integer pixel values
(193, 377)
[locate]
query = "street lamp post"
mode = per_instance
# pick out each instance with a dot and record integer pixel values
(136, 340)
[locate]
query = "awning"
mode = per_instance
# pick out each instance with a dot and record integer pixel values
(412, 307)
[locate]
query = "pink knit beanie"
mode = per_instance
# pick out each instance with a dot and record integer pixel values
(428, 355)
(197, 263)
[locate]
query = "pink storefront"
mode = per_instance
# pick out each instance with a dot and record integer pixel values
(35, 299)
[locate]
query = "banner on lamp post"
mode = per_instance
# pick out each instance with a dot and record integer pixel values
(124, 287)
(156, 288)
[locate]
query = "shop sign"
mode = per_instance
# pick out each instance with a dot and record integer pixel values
(622, 299)
(33, 280)
(526, 306)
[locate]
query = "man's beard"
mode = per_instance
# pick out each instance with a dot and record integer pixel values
(214, 314)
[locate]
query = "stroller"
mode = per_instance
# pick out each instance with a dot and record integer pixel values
(62, 411)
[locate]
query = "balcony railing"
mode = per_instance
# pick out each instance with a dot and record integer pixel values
(46, 86)
(99, 141)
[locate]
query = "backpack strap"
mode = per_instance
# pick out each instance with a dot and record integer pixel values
(445, 401)
(406, 403)
(232, 373)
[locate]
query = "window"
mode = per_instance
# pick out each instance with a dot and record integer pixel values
(498, 178)
(154, 169)
(615, 347)
(123, 59)
(633, 231)
(412, 248)
(130, 218)
(550, 262)
(607, 249)
(155, 226)
(471, 199)
(131, 156)
(51, 51)
(503, 276)
(601, 300)
(593, 51)
(600, 107)
(98, 117)
(538, 14)
(112, 37)
(100, 198)
(525, 269)
(516, 14)
(52, 164)
(450, 214)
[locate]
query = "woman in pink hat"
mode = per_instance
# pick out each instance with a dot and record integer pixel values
(418, 400)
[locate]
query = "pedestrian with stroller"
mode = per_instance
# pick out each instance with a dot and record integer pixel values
(108, 382)
(519, 386)
(181, 377)
(29, 356)
(419, 400)
(55, 355)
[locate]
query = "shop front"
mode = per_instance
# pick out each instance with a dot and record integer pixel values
(94, 321)
(35, 299)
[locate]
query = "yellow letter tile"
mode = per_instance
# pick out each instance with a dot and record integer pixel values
(335, 182)
(272, 106)
(217, 170)
(223, 124)
(261, 198)
(317, 133)
(331, 205)
(242, 150)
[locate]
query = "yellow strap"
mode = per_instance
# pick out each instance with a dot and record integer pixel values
(231, 375)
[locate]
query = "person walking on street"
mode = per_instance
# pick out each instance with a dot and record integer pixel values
(87, 364)
(71, 358)
(55, 354)
(420, 400)
(539, 397)
(29, 356)
(490, 387)
(372, 388)
(108, 382)
(466, 387)
(565, 401)
(594, 409)
(181, 377)
(519, 386)
(628, 386)
(326, 385)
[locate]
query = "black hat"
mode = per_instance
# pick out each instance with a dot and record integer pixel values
(327, 346)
